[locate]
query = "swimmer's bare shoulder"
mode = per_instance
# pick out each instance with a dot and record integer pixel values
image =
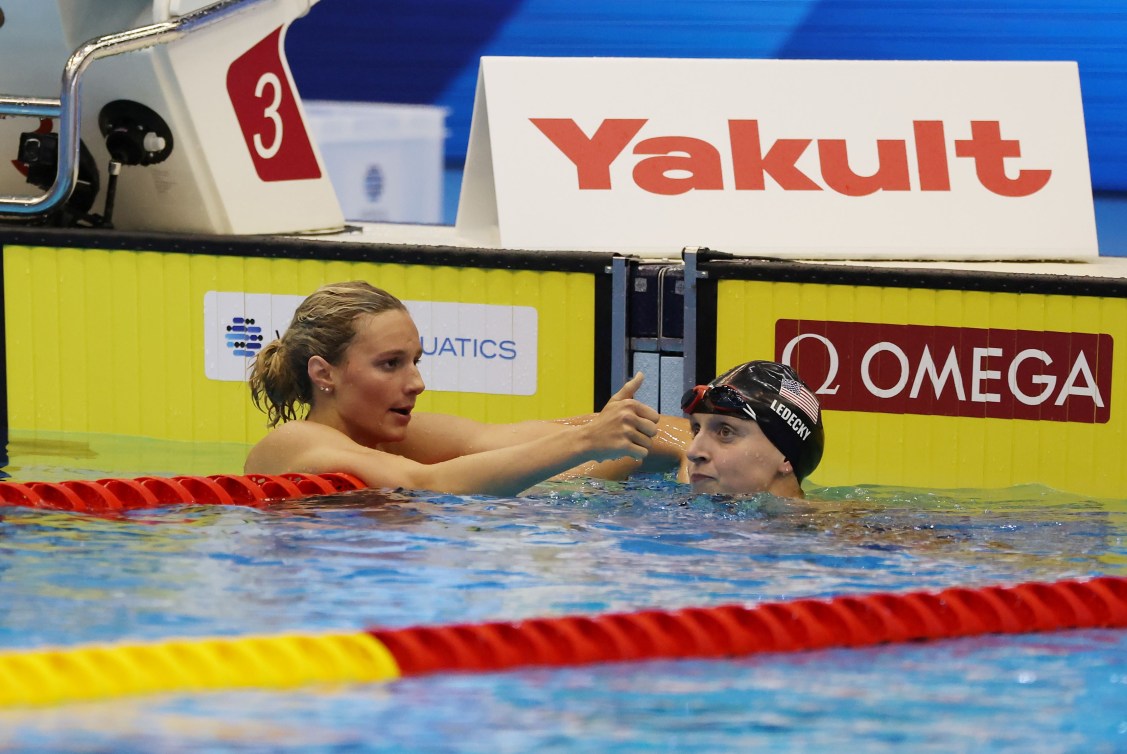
(305, 447)
(276, 452)
(311, 448)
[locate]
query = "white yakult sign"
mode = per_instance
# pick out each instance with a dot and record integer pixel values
(795, 158)
(467, 348)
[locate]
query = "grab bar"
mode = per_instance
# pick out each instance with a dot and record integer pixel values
(67, 108)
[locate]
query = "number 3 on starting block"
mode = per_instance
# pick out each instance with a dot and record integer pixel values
(266, 107)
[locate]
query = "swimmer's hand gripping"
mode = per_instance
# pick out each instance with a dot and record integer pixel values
(625, 426)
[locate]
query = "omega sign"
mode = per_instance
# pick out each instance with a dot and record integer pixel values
(951, 371)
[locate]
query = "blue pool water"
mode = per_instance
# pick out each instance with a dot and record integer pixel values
(395, 559)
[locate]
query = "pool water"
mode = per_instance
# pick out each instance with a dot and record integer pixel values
(394, 559)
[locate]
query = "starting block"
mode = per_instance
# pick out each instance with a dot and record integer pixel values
(173, 115)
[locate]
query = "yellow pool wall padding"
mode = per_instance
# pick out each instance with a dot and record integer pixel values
(111, 341)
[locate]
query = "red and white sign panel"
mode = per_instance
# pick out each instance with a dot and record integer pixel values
(798, 158)
(951, 371)
(262, 95)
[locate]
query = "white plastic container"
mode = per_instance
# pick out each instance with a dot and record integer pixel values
(385, 161)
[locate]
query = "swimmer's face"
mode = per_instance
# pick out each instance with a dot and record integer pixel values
(732, 455)
(378, 380)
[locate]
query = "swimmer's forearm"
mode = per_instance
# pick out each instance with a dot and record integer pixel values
(508, 471)
(433, 438)
(672, 439)
(308, 447)
(667, 454)
(624, 429)
(504, 471)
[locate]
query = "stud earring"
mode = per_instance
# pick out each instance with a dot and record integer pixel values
(325, 389)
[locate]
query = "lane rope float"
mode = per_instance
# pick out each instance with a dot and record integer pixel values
(112, 496)
(51, 676)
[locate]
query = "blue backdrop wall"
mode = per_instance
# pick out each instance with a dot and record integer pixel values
(426, 51)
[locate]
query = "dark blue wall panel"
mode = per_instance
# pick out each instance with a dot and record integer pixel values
(426, 51)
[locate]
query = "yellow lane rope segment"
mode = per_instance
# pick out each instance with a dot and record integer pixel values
(51, 676)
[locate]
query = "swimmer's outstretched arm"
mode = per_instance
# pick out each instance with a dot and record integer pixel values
(433, 438)
(624, 428)
(667, 454)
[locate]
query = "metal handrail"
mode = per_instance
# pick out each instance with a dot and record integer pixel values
(67, 108)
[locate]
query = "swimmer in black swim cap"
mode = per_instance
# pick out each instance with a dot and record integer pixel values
(756, 428)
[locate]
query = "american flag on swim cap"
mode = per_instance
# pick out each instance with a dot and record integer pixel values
(798, 394)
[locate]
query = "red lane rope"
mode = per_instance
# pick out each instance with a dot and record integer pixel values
(734, 630)
(111, 496)
(698, 632)
(286, 661)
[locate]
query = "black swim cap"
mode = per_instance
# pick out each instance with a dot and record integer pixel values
(776, 398)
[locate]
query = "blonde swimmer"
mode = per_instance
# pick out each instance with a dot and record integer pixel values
(351, 356)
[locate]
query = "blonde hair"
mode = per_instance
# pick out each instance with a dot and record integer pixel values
(323, 325)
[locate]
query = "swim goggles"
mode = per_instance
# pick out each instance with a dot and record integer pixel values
(718, 399)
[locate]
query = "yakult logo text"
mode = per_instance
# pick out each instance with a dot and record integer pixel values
(951, 371)
(676, 164)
